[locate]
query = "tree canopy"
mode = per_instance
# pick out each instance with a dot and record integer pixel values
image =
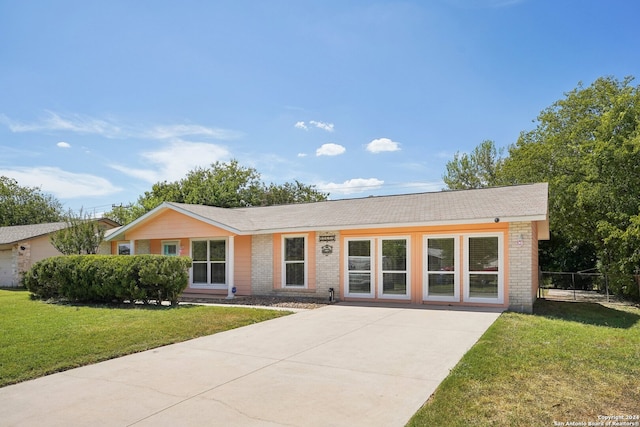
(587, 147)
(478, 169)
(82, 235)
(26, 205)
(226, 185)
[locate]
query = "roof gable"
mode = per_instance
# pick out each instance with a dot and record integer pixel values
(173, 223)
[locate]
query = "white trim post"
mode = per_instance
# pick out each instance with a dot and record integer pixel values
(230, 268)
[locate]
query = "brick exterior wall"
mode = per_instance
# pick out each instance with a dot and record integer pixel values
(523, 266)
(22, 259)
(262, 264)
(142, 247)
(327, 267)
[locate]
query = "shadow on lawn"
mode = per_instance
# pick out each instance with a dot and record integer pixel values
(588, 313)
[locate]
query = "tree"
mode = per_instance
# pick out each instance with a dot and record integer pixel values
(226, 185)
(478, 169)
(26, 205)
(82, 235)
(587, 146)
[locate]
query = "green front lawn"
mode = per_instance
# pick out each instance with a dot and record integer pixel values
(569, 362)
(38, 338)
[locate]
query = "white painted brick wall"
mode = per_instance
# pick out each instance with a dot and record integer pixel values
(328, 266)
(262, 264)
(523, 268)
(142, 247)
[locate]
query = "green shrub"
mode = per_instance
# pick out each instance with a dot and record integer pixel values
(109, 278)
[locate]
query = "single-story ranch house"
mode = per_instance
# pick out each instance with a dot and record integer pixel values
(469, 247)
(23, 245)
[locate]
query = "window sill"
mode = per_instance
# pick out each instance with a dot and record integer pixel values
(207, 286)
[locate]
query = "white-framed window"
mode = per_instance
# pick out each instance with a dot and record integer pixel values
(359, 275)
(442, 268)
(209, 263)
(484, 268)
(171, 248)
(124, 248)
(294, 261)
(394, 267)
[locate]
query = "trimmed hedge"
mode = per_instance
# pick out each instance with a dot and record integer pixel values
(109, 278)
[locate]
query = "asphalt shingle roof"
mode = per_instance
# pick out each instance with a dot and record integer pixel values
(18, 233)
(524, 202)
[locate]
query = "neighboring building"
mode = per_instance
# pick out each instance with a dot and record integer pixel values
(469, 247)
(23, 245)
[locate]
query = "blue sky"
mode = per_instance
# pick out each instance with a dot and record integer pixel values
(101, 99)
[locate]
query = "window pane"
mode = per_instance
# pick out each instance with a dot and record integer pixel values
(483, 285)
(359, 255)
(394, 283)
(199, 251)
(295, 274)
(359, 283)
(217, 250)
(441, 253)
(200, 273)
(294, 249)
(218, 272)
(483, 254)
(124, 249)
(361, 248)
(170, 249)
(441, 285)
(394, 255)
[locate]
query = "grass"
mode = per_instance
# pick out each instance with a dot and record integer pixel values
(39, 338)
(568, 362)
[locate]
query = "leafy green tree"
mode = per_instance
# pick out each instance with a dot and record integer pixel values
(26, 205)
(82, 235)
(226, 185)
(587, 146)
(478, 169)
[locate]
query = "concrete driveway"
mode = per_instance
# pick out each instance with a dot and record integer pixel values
(340, 365)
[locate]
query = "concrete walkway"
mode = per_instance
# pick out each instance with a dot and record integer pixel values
(340, 365)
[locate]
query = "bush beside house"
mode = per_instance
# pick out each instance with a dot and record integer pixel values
(105, 278)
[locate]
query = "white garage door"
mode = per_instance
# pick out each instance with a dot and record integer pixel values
(6, 269)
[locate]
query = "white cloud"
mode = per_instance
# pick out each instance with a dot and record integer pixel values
(382, 144)
(73, 123)
(63, 144)
(177, 131)
(302, 154)
(330, 149)
(173, 161)
(321, 125)
(60, 183)
(113, 129)
(352, 186)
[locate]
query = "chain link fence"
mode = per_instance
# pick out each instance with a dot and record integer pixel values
(587, 286)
